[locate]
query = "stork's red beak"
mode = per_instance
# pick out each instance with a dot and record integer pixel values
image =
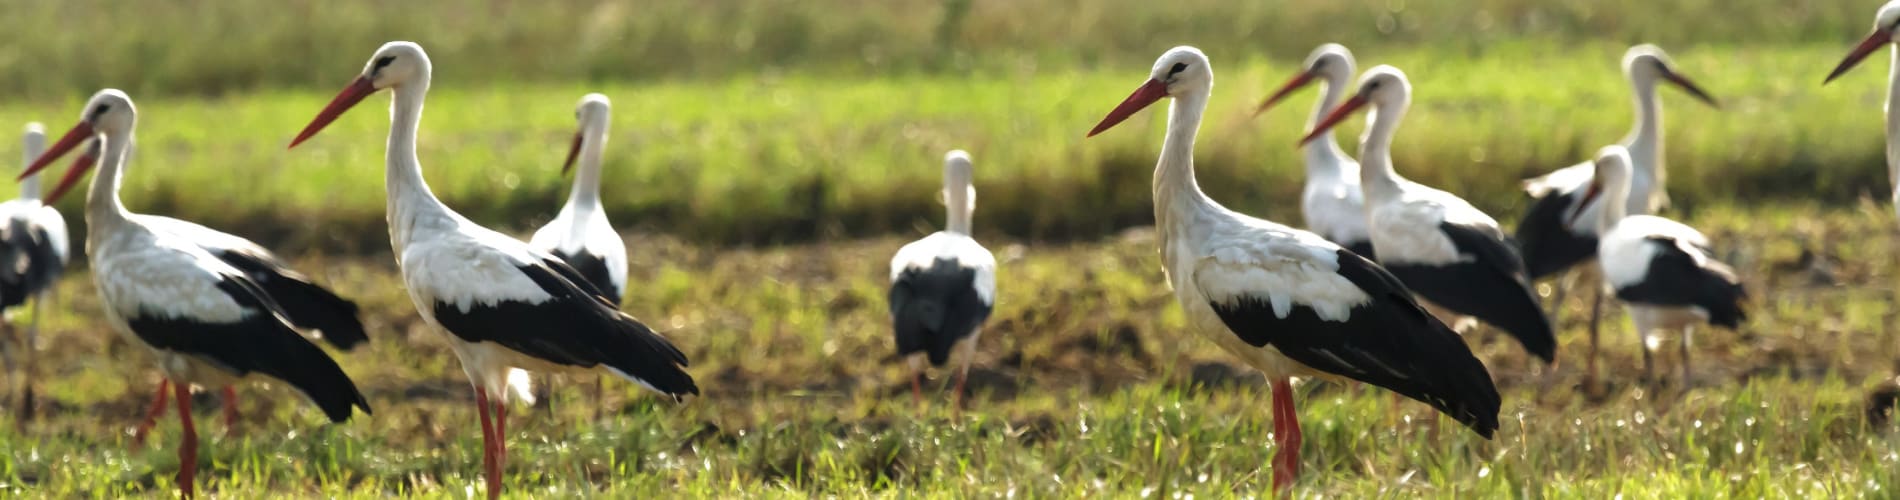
(73, 138)
(1299, 80)
(1690, 87)
(573, 151)
(1339, 114)
(1147, 94)
(1868, 46)
(358, 89)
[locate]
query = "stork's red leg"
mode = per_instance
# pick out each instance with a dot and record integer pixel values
(501, 434)
(963, 378)
(151, 415)
(491, 472)
(916, 389)
(230, 410)
(1590, 366)
(600, 397)
(188, 452)
(1287, 467)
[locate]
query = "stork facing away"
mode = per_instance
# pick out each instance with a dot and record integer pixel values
(312, 308)
(1288, 302)
(943, 286)
(1661, 269)
(1886, 32)
(580, 234)
(206, 322)
(33, 255)
(1453, 255)
(503, 305)
(1331, 202)
(1551, 246)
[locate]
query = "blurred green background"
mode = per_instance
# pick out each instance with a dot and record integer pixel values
(774, 121)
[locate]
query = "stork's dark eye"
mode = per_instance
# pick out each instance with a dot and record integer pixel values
(1373, 85)
(1178, 67)
(100, 111)
(382, 61)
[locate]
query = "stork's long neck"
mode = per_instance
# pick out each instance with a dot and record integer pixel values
(35, 145)
(958, 205)
(1376, 175)
(1893, 126)
(411, 204)
(1177, 196)
(586, 192)
(1324, 157)
(1645, 144)
(1615, 203)
(104, 211)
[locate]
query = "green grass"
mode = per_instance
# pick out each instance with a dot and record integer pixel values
(796, 156)
(1089, 386)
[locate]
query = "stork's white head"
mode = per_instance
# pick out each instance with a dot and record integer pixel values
(1180, 71)
(395, 65)
(110, 113)
(1331, 63)
(1648, 63)
(1886, 31)
(1612, 173)
(591, 116)
(1384, 87)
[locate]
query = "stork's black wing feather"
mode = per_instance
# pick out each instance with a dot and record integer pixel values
(592, 271)
(1675, 279)
(307, 305)
(1548, 244)
(574, 327)
(1389, 342)
(1491, 286)
(261, 342)
(934, 308)
(28, 262)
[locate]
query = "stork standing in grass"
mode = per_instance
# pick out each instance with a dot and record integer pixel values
(943, 286)
(1551, 246)
(313, 309)
(1453, 255)
(207, 322)
(580, 234)
(503, 305)
(1886, 32)
(1332, 202)
(1288, 302)
(1661, 269)
(32, 258)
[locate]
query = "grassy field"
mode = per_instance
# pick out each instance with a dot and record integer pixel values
(768, 157)
(1088, 383)
(800, 157)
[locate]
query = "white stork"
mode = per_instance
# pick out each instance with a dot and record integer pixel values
(1549, 245)
(207, 322)
(503, 305)
(1660, 268)
(1288, 302)
(580, 234)
(1450, 253)
(310, 307)
(1886, 31)
(1332, 202)
(32, 257)
(943, 286)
